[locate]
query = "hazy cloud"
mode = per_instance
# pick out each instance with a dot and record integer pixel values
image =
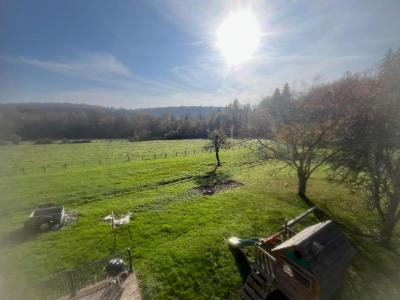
(93, 66)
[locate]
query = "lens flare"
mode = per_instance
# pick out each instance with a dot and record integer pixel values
(238, 37)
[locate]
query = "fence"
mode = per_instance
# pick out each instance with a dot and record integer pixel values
(13, 170)
(69, 282)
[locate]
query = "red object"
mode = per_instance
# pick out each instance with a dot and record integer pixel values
(273, 240)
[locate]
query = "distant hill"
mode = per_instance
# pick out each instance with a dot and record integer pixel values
(181, 111)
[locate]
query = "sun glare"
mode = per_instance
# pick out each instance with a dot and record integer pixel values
(238, 37)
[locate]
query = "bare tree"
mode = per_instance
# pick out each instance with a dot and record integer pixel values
(300, 130)
(217, 141)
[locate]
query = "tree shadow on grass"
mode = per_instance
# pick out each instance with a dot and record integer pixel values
(214, 182)
(18, 236)
(208, 178)
(318, 213)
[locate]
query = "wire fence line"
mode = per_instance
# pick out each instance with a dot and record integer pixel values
(116, 191)
(15, 170)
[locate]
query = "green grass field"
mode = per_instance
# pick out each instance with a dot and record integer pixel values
(179, 241)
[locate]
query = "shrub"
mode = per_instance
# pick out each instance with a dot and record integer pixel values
(43, 141)
(3, 142)
(14, 138)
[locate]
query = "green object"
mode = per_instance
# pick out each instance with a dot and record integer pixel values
(301, 262)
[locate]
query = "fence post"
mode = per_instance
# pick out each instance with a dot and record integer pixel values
(72, 290)
(130, 260)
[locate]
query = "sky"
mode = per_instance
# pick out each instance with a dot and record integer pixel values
(135, 54)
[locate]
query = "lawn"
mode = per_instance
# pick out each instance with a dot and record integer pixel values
(179, 237)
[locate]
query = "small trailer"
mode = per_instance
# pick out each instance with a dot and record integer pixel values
(308, 265)
(46, 218)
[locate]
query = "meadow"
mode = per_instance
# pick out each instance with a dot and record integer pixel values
(179, 236)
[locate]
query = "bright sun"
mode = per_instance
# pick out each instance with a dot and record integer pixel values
(238, 37)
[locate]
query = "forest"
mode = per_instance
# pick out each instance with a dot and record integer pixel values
(33, 121)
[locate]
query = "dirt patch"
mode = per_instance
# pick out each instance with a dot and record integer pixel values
(219, 187)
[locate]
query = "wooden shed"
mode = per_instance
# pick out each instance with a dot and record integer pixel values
(311, 264)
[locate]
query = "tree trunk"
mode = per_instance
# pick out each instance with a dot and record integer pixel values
(389, 218)
(386, 230)
(217, 156)
(385, 236)
(302, 187)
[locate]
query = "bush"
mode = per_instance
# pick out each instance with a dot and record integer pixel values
(14, 138)
(80, 141)
(4, 142)
(67, 141)
(172, 135)
(43, 141)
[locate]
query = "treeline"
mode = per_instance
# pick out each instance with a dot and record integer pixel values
(34, 121)
(180, 111)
